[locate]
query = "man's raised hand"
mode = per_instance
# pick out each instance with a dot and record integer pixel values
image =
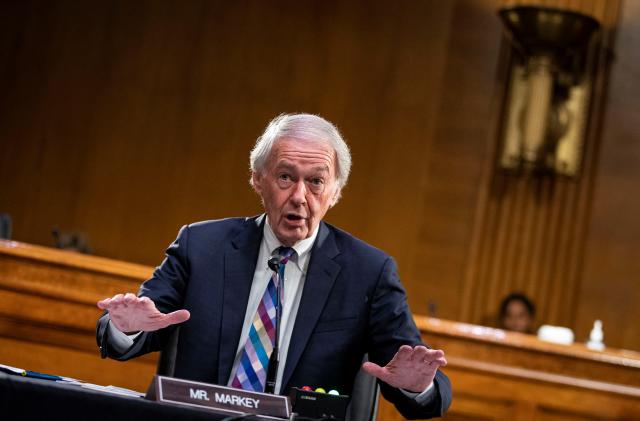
(130, 313)
(412, 368)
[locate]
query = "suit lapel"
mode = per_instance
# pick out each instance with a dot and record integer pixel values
(239, 267)
(321, 275)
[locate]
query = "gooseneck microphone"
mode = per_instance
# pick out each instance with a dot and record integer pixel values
(274, 264)
(274, 359)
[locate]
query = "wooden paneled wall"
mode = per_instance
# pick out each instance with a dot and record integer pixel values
(530, 233)
(125, 120)
(610, 287)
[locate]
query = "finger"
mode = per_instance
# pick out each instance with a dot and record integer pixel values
(435, 358)
(146, 303)
(109, 303)
(130, 298)
(175, 317)
(159, 320)
(117, 299)
(104, 304)
(433, 354)
(419, 353)
(404, 353)
(441, 362)
(375, 370)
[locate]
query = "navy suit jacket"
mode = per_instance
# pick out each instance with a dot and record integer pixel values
(352, 304)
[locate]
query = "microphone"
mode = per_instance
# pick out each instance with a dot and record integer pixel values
(274, 264)
(274, 359)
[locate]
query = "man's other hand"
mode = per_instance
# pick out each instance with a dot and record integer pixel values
(412, 369)
(130, 313)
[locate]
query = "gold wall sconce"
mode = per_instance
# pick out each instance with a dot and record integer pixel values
(549, 89)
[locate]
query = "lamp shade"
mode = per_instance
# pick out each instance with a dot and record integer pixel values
(543, 30)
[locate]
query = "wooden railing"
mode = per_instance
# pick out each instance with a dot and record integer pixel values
(47, 323)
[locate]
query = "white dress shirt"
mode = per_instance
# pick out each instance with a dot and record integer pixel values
(295, 272)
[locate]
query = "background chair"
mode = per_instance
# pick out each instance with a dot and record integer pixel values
(364, 398)
(167, 360)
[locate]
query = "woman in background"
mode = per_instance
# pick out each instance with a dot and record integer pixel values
(517, 313)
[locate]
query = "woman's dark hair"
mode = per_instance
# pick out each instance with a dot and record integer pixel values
(516, 296)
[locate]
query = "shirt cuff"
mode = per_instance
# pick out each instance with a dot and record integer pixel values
(120, 341)
(421, 398)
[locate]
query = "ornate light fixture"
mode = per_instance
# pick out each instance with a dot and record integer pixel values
(549, 91)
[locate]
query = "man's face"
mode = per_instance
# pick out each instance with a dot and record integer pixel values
(298, 186)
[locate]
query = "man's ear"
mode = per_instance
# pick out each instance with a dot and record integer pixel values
(336, 196)
(256, 180)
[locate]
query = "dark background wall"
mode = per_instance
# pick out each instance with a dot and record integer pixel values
(125, 120)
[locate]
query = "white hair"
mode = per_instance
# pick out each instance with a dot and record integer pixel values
(303, 127)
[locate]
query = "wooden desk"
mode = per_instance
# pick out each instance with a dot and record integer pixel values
(499, 375)
(61, 402)
(48, 315)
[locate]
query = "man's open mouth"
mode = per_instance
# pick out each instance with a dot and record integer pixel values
(293, 217)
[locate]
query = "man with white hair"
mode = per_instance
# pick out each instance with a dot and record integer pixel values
(341, 298)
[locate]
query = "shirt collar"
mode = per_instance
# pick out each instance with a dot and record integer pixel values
(302, 248)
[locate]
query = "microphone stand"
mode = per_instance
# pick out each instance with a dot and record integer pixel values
(274, 359)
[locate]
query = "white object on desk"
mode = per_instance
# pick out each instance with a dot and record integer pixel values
(596, 336)
(556, 334)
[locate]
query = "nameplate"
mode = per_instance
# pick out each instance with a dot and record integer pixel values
(218, 398)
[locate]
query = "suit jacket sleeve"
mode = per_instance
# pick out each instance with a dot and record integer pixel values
(166, 288)
(391, 326)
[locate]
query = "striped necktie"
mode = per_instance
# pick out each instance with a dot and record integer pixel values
(251, 369)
